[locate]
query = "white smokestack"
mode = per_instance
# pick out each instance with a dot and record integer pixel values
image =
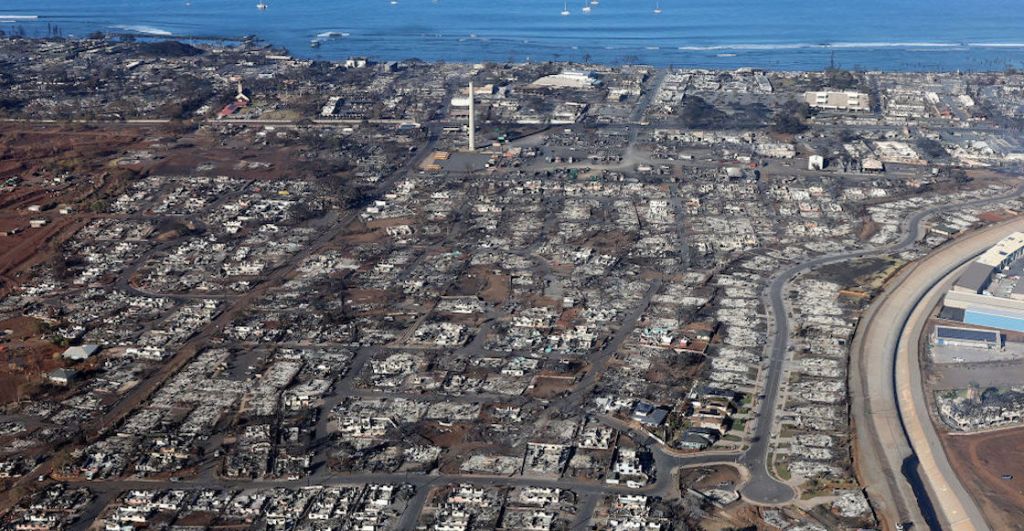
(472, 119)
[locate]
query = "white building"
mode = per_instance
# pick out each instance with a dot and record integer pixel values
(570, 79)
(815, 162)
(840, 101)
(80, 353)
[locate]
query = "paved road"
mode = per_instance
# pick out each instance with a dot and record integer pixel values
(891, 379)
(955, 507)
(589, 492)
(763, 487)
(330, 226)
(599, 361)
(883, 440)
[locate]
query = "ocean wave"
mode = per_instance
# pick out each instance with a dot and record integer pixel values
(147, 30)
(870, 45)
(849, 46)
(718, 47)
(996, 44)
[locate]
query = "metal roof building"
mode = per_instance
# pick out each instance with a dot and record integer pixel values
(978, 275)
(80, 353)
(975, 279)
(1007, 250)
(954, 336)
(994, 317)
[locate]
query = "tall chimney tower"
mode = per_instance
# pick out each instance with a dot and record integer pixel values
(472, 119)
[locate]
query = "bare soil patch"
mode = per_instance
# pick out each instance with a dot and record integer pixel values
(981, 461)
(547, 387)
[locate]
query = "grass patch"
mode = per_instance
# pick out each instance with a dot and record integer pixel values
(783, 472)
(806, 495)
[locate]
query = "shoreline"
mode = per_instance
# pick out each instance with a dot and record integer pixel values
(769, 57)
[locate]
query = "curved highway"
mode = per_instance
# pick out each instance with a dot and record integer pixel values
(952, 505)
(897, 436)
(763, 487)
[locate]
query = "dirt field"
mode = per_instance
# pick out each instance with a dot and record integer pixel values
(995, 216)
(35, 152)
(741, 517)
(51, 165)
(868, 228)
(47, 166)
(980, 461)
(242, 156)
(497, 288)
(24, 358)
(549, 387)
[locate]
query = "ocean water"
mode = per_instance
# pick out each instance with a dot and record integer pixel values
(940, 35)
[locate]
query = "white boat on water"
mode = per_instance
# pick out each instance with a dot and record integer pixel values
(262, 6)
(565, 9)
